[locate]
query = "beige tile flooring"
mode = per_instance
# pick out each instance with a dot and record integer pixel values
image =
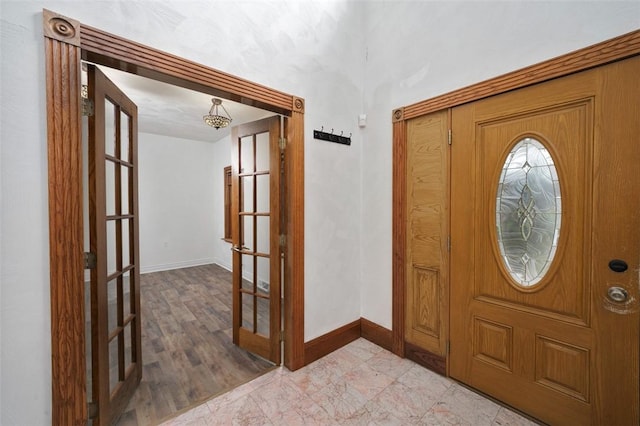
(359, 384)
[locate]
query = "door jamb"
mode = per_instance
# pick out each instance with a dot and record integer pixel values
(615, 49)
(67, 42)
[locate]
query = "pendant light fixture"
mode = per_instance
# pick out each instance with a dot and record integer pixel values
(214, 118)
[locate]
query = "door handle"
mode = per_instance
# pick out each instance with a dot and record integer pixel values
(239, 249)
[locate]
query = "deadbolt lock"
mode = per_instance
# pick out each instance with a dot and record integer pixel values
(617, 294)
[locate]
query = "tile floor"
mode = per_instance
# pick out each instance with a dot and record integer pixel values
(359, 384)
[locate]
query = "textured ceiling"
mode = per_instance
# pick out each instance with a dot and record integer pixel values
(170, 110)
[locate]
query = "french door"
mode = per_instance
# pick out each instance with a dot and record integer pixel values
(113, 221)
(257, 162)
(545, 247)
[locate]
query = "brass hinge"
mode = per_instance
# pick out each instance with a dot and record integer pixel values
(448, 348)
(449, 137)
(283, 240)
(90, 260)
(282, 335)
(87, 107)
(92, 410)
(282, 143)
(448, 242)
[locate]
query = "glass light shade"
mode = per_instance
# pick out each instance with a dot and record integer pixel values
(214, 118)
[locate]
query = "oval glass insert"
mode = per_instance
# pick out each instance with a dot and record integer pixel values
(528, 212)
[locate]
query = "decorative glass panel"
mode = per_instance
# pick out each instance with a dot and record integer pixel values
(528, 212)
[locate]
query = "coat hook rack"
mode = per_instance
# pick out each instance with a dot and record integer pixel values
(331, 137)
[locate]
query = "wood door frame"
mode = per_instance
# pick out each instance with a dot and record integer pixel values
(67, 43)
(615, 49)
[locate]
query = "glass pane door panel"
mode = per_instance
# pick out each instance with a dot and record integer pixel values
(113, 364)
(246, 197)
(262, 234)
(262, 200)
(126, 294)
(247, 272)
(128, 347)
(247, 310)
(246, 232)
(109, 128)
(111, 247)
(247, 164)
(124, 137)
(110, 186)
(263, 275)
(112, 305)
(124, 189)
(262, 152)
(263, 316)
(126, 243)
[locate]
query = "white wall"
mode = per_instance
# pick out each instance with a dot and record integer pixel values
(221, 159)
(418, 50)
(315, 50)
(178, 211)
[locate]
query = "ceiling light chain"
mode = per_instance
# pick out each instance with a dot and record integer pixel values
(214, 119)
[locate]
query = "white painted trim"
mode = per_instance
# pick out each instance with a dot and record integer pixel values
(176, 265)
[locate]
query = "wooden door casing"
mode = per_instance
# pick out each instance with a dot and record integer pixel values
(553, 350)
(427, 266)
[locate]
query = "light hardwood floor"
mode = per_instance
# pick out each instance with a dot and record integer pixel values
(188, 355)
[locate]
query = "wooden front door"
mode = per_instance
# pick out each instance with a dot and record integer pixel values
(545, 216)
(113, 218)
(256, 165)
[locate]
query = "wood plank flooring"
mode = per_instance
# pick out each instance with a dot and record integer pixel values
(188, 355)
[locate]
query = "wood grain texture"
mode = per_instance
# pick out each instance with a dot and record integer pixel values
(426, 359)
(294, 356)
(377, 334)
(62, 61)
(586, 372)
(427, 221)
(612, 50)
(327, 343)
(399, 235)
(108, 49)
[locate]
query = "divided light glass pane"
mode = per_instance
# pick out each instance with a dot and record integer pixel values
(126, 243)
(264, 275)
(110, 186)
(263, 194)
(111, 247)
(112, 305)
(246, 186)
(246, 233)
(124, 189)
(109, 128)
(113, 364)
(262, 152)
(126, 294)
(263, 317)
(247, 311)
(263, 234)
(124, 136)
(246, 155)
(128, 347)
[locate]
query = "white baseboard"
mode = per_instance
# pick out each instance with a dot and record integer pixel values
(176, 265)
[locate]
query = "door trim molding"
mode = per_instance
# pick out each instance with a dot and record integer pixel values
(615, 49)
(67, 42)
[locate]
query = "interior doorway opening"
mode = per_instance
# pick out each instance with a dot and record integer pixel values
(67, 42)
